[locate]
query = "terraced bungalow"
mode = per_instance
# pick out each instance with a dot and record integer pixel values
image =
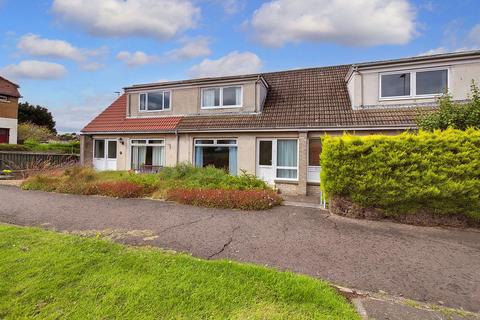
(270, 124)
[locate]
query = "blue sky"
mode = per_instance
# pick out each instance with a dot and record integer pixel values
(73, 55)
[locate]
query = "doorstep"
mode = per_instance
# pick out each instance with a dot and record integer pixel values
(303, 201)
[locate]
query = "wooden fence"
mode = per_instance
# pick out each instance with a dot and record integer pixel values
(18, 160)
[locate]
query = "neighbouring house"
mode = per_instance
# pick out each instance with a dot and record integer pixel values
(270, 124)
(9, 96)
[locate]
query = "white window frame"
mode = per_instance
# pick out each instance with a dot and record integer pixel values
(146, 101)
(274, 165)
(215, 142)
(413, 84)
(146, 144)
(221, 106)
(105, 148)
(3, 98)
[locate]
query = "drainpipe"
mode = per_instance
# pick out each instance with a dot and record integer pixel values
(178, 146)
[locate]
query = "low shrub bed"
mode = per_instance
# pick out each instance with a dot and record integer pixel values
(429, 174)
(230, 199)
(208, 187)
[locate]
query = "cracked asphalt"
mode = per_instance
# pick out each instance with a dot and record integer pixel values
(425, 264)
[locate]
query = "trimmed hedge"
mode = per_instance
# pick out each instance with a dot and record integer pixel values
(13, 147)
(430, 172)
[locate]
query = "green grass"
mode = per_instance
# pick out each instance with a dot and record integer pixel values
(46, 275)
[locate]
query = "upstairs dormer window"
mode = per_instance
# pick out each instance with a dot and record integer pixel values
(222, 97)
(413, 84)
(155, 101)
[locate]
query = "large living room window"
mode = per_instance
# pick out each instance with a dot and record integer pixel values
(220, 153)
(222, 97)
(155, 101)
(412, 84)
(148, 155)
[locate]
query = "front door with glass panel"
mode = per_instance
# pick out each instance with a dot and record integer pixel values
(265, 161)
(277, 159)
(105, 154)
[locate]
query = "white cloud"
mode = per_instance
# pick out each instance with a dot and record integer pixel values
(73, 116)
(191, 48)
(34, 69)
(470, 41)
(161, 19)
(354, 22)
(36, 46)
(137, 58)
(233, 63)
(473, 37)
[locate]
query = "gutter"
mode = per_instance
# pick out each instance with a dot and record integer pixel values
(303, 129)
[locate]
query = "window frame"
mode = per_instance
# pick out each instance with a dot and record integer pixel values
(413, 84)
(146, 100)
(215, 142)
(221, 106)
(3, 98)
(132, 143)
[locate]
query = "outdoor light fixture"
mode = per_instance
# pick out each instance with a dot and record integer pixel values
(121, 141)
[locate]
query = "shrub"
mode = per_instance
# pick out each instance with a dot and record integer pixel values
(119, 189)
(13, 147)
(453, 114)
(435, 172)
(228, 199)
(32, 132)
(190, 177)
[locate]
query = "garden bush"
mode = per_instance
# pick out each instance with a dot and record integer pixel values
(430, 172)
(228, 199)
(13, 147)
(187, 184)
(119, 189)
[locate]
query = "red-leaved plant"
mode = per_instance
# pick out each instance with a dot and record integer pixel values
(230, 199)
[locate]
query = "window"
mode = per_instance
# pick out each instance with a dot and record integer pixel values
(224, 97)
(314, 151)
(287, 159)
(148, 155)
(396, 85)
(220, 153)
(265, 154)
(99, 150)
(413, 84)
(112, 149)
(432, 82)
(155, 101)
(3, 98)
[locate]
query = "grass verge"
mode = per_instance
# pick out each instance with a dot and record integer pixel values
(49, 275)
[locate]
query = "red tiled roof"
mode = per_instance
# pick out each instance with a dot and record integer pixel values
(8, 88)
(114, 119)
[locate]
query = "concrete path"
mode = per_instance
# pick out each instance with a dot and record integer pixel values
(434, 265)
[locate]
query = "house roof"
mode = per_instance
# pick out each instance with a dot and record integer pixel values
(114, 119)
(296, 99)
(8, 88)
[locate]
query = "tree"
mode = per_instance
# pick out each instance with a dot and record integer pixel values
(29, 132)
(38, 115)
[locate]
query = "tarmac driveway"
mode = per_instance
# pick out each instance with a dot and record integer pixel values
(426, 264)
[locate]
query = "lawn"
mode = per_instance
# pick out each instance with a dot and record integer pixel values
(48, 275)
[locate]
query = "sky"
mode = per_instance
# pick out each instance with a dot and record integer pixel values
(74, 56)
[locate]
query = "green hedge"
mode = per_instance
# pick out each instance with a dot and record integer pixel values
(435, 172)
(13, 147)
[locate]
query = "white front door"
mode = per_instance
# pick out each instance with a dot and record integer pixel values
(266, 160)
(105, 154)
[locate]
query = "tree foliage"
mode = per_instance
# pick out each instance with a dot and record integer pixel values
(29, 132)
(452, 114)
(37, 115)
